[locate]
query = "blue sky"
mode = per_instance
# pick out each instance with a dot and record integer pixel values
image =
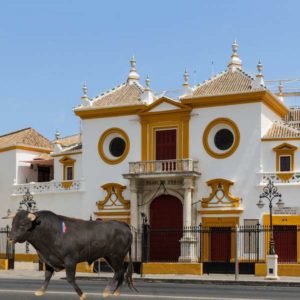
(50, 47)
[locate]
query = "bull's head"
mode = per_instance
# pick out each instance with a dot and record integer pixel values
(22, 224)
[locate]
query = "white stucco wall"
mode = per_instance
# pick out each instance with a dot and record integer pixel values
(59, 167)
(242, 166)
(97, 172)
(268, 116)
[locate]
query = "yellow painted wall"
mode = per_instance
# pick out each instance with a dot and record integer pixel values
(283, 269)
(173, 268)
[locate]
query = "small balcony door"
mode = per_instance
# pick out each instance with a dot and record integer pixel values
(165, 144)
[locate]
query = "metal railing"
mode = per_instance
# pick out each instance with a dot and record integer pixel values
(279, 177)
(163, 166)
(219, 244)
(7, 249)
(48, 187)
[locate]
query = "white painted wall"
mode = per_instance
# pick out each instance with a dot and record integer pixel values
(97, 172)
(267, 118)
(242, 166)
(59, 167)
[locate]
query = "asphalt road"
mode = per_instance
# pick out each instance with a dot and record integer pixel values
(17, 289)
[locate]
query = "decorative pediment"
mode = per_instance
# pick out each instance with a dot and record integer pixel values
(165, 104)
(67, 160)
(285, 147)
(220, 195)
(114, 197)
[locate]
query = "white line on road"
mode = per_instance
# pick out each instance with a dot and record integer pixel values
(130, 295)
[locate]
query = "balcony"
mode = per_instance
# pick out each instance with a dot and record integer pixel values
(280, 177)
(48, 187)
(172, 167)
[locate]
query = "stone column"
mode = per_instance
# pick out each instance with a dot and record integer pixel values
(188, 240)
(133, 204)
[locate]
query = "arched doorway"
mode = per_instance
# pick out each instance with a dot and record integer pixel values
(166, 223)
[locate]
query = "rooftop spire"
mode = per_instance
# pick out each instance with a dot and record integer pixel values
(133, 75)
(280, 91)
(187, 90)
(85, 99)
(259, 79)
(147, 96)
(235, 62)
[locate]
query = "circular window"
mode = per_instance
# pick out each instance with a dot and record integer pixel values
(221, 138)
(117, 146)
(113, 146)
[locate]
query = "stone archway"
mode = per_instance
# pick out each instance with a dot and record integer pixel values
(166, 223)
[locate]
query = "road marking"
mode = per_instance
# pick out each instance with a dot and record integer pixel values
(130, 295)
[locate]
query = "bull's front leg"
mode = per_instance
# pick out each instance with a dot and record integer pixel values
(48, 274)
(70, 272)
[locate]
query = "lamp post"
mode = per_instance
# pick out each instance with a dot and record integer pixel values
(270, 193)
(30, 206)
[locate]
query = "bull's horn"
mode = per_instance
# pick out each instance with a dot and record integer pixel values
(9, 216)
(31, 216)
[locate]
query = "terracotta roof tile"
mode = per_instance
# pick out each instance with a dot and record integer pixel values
(125, 94)
(70, 140)
(293, 117)
(27, 136)
(227, 82)
(282, 130)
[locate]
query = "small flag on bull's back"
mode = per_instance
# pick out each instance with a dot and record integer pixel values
(63, 227)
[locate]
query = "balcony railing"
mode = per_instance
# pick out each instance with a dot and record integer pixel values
(48, 187)
(163, 166)
(280, 177)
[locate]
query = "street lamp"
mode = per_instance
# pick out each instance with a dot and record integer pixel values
(270, 193)
(30, 205)
(28, 202)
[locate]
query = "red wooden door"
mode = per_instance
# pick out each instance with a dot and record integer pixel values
(166, 223)
(166, 144)
(285, 238)
(220, 244)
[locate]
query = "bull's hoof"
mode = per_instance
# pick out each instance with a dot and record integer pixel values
(83, 297)
(116, 293)
(39, 293)
(106, 293)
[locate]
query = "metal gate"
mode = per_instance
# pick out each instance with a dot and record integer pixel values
(7, 249)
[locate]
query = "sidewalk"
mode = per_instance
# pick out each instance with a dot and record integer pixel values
(191, 279)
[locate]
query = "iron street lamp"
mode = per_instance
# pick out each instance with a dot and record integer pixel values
(28, 202)
(270, 193)
(30, 205)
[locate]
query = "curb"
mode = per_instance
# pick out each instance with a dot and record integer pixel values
(203, 281)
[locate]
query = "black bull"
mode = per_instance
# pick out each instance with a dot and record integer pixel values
(63, 242)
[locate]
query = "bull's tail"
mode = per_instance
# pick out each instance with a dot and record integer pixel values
(129, 272)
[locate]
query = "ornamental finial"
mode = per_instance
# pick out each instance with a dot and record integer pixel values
(148, 81)
(235, 62)
(57, 135)
(133, 75)
(259, 67)
(85, 90)
(186, 77)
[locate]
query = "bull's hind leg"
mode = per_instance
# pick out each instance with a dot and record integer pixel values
(70, 272)
(118, 266)
(48, 274)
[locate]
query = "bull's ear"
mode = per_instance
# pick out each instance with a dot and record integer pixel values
(31, 217)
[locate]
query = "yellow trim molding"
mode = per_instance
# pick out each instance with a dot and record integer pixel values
(106, 112)
(28, 148)
(265, 97)
(112, 213)
(285, 149)
(177, 118)
(173, 268)
(67, 162)
(220, 211)
(282, 220)
(102, 139)
(64, 154)
(220, 195)
(283, 269)
(207, 131)
(114, 193)
(218, 222)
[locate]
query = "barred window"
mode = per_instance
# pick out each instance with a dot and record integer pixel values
(251, 235)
